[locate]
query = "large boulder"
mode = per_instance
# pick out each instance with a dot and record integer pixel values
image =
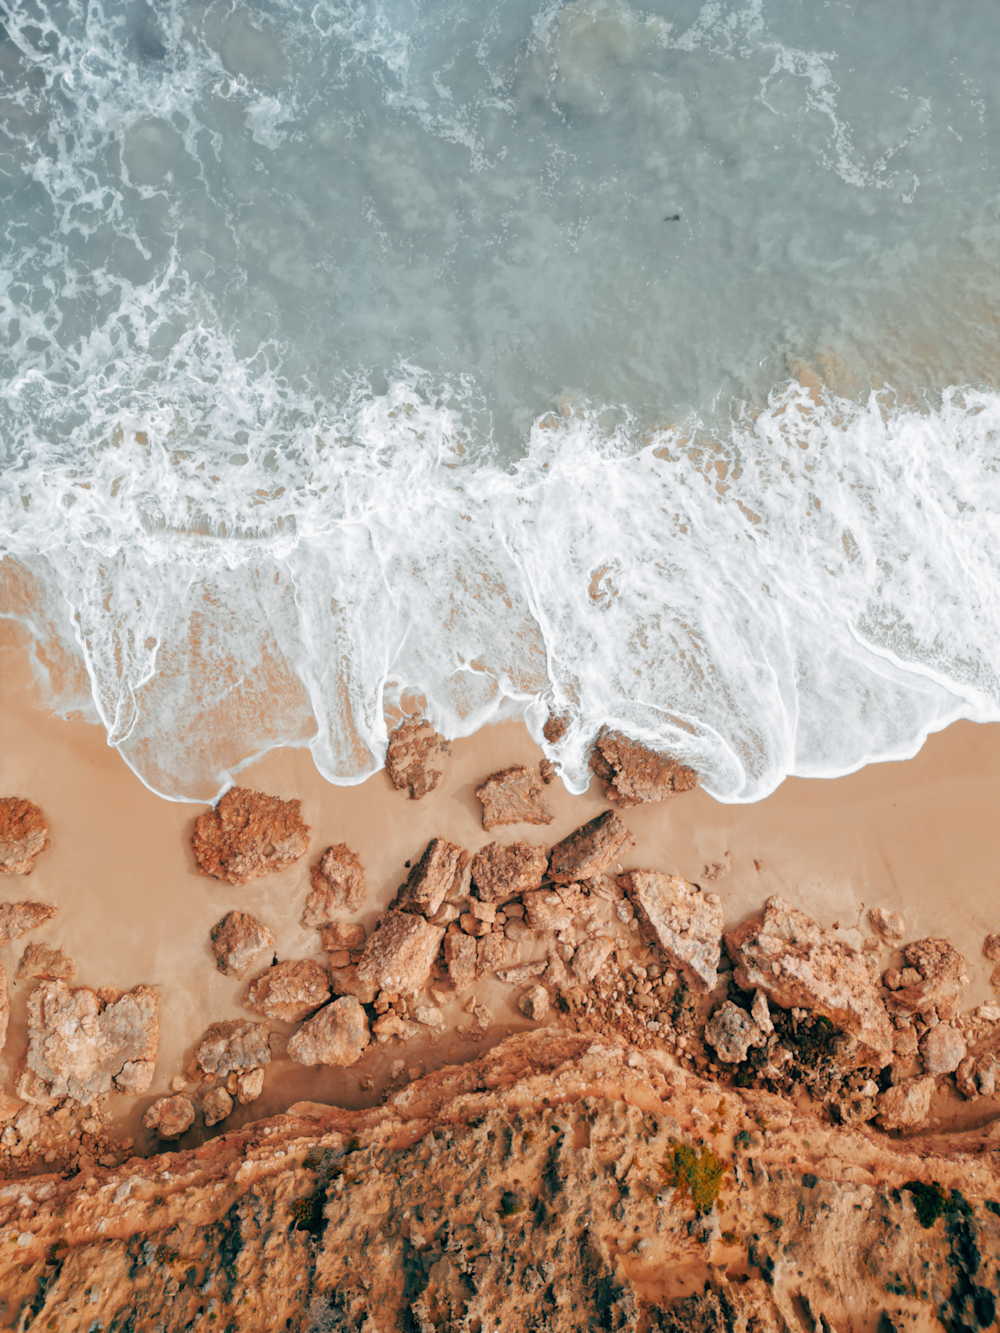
(441, 874)
(513, 796)
(249, 834)
(414, 759)
(233, 1047)
(23, 834)
(289, 992)
(590, 850)
(797, 964)
(502, 871)
(338, 885)
(18, 918)
(398, 956)
(685, 923)
(337, 1035)
(237, 940)
(633, 773)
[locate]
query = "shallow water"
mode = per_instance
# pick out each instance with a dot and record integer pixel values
(638, 363)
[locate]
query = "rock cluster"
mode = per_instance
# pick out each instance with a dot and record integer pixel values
(633, 773)
(513, 796)
(249, 834)
(237, 940)
(412, 759)
(16, 919)
(23, 835)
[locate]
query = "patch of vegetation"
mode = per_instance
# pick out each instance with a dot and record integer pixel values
(744, 1139)
(928, 1201)
(810, 1181)
(697, 1176)
(510, 1204)
(308, 1212)
(993, 1207)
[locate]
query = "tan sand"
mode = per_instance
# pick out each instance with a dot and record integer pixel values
(918, 837)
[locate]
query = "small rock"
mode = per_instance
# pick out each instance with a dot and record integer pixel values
(545, 909)
(339, 935)
(731, 1032)
(517, 930)
(633, 773)
(590, 850)
(460, 955)
(713, 870)
(234, 1046)
(484, 911)
(589, 958)
(892, 978)
(337, 1035)
(18, 918)
(907, 1104)
(534, 1003)
(45, 962)
(392, 1025)
(428, 1015)
(547, 771)
(237, 940)
(473, 926)
(28, 1122)
(249, 1086)
(340, 958)
(887, 924)
(761, 1013)
(490, 953)
(513, 796)
(506, 871)
(413, 757)
(249, 834)
(170, 1116)
(525, 972)
(23, 835)
(216, 1106)
(904, 1043)
(555, 728)
(289, 992)
(991, 948)
(942, 1049)
(398, 956)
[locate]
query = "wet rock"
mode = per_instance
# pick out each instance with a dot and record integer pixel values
(907, 1104)
(513, 796)
(18, 918)
(249, 834)
(233, 1047)
(555, 728)
(888, 925)
(170, 1117)
(460, 956)
(337, 1035)
(731, 1032)
(23, 834)
(216, 1106)
(633, 773)
(933, 981)
(289, 992)
(685, 923)
(46, 962)
(503, 871)
(399, 955)
(237, 940)
(339, 935)
(547, 771)
(442, 873)
(589, 958)
(942, 1049)
(345, 981)
(797, 964)
(249, 1086)
(491, 952)
(590, 850)
(415, 757)
(338, 885)
(534, 1003)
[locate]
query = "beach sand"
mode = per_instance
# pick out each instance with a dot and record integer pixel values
(918, 836)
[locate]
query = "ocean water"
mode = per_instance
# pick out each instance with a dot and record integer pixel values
(636, 362)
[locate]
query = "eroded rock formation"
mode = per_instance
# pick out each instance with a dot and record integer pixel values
(23, 834)
(237, 940)
(249, 834)
(591, 849)
(513, 796)
(633, 773)
(16, 919)
(338, 885)
(415, 757)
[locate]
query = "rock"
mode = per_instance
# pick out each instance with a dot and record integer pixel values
(933, 981)
(633, 773)
(491, 953)
(249, 834)
(233, 1047)
(237, 940)
(991, 948)
(170, 1116)
(289, 992)
(589, 958)
(249, 1086)
(525, 972)
(472, 925)
(731, 1032)
(81, 1045)
(513, 796)
(460, 956)
(441, 873)
(545, 909)
(339, 935)
(557, 973)
(45, 962)
(555, 728)
(797, 964)
(887, 924)
(28, 1122)
(503, 871)
(761, 1014)
(429, 1015)
(338, 885)
(907, 1104)
(399, 955)
(337, 1035)
(393, 1025)
(518, 931)
(415, 750)
(4, 1007)
(685, 923)
(547, 771)
(590, 850)
(904, 1044)
(976, 1076)
(942, 1049)
(534, 1003)
(345, 981)
(18, 918)
(216, 1106)
(23, 834)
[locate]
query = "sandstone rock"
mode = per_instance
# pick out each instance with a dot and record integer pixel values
(547, 771)
(685, 923)
(413, 757)
(555, 728)
(170, 1116)
(797, 964)
(731, 1032)
(429, 1015)
(338, 885)
(216, 1106)
(398, 956)
(472, 925)
(991, 948)
(503, 871)
(45, 962)
(534, 1003)
(289, 992)
(249, 1086)
(80, 1043)
(904, 1044)
(18, 918)
(633, 773)
(337, 1035)
(906, 1105)
(249, 834)
(545, 909)
(887, 924)
(441, 873)
(345, 981)
(523, 973)
(135, 1076)
(491, 952)
(4, 1007)
(460, 955)
(237, 940)
(589, 959)
(233, 1047)
(23, 834)
(932, 982)
(513, 796)
(339, 935)
(393, 1025)
(942, 1049)
(590, 850)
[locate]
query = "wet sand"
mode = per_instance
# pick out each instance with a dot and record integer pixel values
(919, 837)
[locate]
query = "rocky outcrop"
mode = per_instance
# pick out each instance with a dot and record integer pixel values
(290, 991)
(633, 773)
(441, 874)
(513, 796)
(502, 871)
(45, 962)
(249, 834)
(414, 759)
(397, 958)
(237, 940)
(685, 923)
(233, 1047)
(797, 964)
(338, 885)
(23, 834)
(337, 1035)
(170, 1117)
(16, 919)
(590, 850)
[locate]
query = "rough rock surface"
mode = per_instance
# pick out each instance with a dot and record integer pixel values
(216, 1106)
(233, 1047)
(685, 923)
(45, 962)
(290, 991)
(942, 1049)
(82, 1045)
(731, 1032)
(887, 924)
(339, 935)
(590, 850)
(797, 964)
(991, 948)
(534, 1003)
(933, 981)
(513, 796)
(4, 1007)
(346, 981)
(338, 885)
(633, 773)
(589, 958)
(18, 918)
(414, 756)
(249, 834)
(237, 940)
(397, 958)
(23, 834)
(170, 1117)
(460, 956)
(905, 1105)
(337, 1035)
(501, 871)
(441, 874)
(249, 1086)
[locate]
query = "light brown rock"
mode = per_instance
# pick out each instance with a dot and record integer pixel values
(18, 918)
(393, 1025)
(338, 935)
(589, 958)
(513, 796)
(249, 1086)
(249, 834)
(397, 957)
(345, 981)
(731, 1032)
(414, 759)
(4, 1007)
(942, 1049)
(501, 871)
(290, 991)
(23, 834)
(522, 973)
(170, 1117)
(46, 962)
(991, 948)
(685, 923)
(545, 909)
(491, 952)
(441, 873)
(887, 924)
(460, 956)
(933, 981)
(233, 1047)
(337, 1035)
(797, 964)
(474, 925)
(907, 1104)
(237, 940)
(633, 773)
(216, 1106)
(590, 850)
(534, 1003)
(338, 885)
